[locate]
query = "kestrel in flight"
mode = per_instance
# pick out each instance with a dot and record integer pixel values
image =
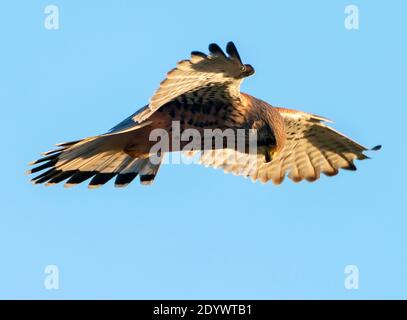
(204, 93)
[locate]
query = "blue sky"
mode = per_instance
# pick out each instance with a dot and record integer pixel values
(198, 233)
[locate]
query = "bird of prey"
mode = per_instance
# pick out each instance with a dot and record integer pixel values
(204, 93)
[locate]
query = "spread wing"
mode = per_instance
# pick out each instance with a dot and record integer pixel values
(203, 80)
(201, 92)
(312, 148)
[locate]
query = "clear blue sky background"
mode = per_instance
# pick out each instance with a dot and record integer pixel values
(197, 233)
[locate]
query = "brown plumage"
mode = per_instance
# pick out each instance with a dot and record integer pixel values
(204, 93)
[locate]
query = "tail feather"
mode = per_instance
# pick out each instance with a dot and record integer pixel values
(82, 164)
(100, 179)
(130, 172)
(78, 177)
(47, 176)
(99, 159)
(148, 172)
(124, 179)
(63, 175)
(47, 158)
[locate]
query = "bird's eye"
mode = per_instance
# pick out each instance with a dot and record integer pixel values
(243, 68)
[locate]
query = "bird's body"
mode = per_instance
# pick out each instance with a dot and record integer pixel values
(202, 117)
(203, 94)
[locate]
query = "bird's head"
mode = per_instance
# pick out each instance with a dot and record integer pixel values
(271, 134)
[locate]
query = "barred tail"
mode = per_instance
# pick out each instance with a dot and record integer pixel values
(98, 158)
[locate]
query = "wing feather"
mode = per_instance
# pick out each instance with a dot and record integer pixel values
(311, 148)
(216, 70)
